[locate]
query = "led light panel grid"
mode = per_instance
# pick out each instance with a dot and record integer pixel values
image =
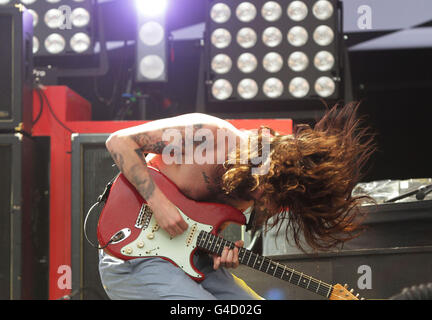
(61, 27)
(267, 50)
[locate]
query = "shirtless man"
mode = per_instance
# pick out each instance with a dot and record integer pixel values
(301, 175)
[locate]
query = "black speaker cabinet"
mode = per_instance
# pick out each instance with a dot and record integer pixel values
(394, 252)
(16, 242)
(92, 169)
(16, 69)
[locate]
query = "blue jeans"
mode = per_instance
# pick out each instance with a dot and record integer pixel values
(156, 278)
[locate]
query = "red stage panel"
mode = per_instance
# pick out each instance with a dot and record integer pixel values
(74, 113)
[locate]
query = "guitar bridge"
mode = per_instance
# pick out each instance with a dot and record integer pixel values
(144, 217)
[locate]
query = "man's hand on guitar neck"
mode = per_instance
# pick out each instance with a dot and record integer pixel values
(229, 257)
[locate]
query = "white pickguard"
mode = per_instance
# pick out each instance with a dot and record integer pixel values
(156, 242)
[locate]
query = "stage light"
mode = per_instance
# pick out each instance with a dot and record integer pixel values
(151, 33)
(325, 86)
(299, 87)
(80, 17)
(298, 61)
(288, 49)
(55, 43)
(64, 18)
(152, 67)
(222, 89)
(323, 35)
(221, 63)
(80, 42)
(322, 9)
(35, 17)
(54, 18)
(297, 10)
(151, 54)
(273, 62)
(246, 12)
(151, 8)
(271, 11)
(297, 36)
(247, 88)
(35, 44)
(221, 38)
(246, 38)
(273, 88)
(247, 62)
(220, 13)
(324, 61)
(272, 37)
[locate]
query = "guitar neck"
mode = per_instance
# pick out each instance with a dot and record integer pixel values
(215, 244)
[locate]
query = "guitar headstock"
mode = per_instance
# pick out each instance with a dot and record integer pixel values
(341, 293)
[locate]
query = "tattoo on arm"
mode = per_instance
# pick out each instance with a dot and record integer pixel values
(147, 144)
(142, 181)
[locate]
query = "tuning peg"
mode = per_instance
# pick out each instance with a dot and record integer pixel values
(352, 290)
(345, 285)
(362, 298)
(357, 295)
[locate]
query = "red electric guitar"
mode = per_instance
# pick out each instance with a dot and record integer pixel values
(128, 230)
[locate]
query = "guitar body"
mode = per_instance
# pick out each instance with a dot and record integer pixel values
(129, 230)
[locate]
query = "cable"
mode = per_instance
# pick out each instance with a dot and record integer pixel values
(41, 102)
(52, 111)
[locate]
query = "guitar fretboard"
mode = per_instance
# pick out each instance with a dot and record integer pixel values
(215, 244)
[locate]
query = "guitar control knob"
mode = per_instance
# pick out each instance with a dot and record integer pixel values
(140, 244)
(129, 250)
(150, 236)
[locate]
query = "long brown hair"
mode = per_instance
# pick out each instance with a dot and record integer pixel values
(310, 179)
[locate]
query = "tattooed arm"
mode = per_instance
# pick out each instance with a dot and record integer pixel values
(128, 148)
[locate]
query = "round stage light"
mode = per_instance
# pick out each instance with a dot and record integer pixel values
(325, 87)
(220, 13)
(322, 9)
(246, 12)
(323, 35)
(35, 17)
(272, 36)
(221, 38)
(324, 61)
(151, 8)
(151, 33)
(299, 87)
(28, 2)
(246, 37)
(53, 1)
(247, 62)
(35, 44)
(271, 11)
(80, 42)
(54, 18)
(297, 10)
(272, 62)
(273, 88)
(222, 89)
(152, 66)
(297, 36)
(221, 63)
(247, 88)
(298, 61)
(4, 2)
(80, 17)
(55, 43)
